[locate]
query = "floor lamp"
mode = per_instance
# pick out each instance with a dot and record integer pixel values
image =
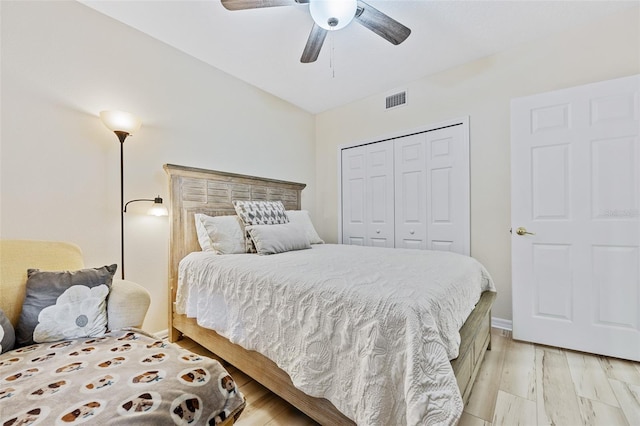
(124, 124)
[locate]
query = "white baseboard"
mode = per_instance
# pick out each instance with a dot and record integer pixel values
(162, 334)
(501, 323)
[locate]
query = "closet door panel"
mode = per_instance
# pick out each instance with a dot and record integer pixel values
(353, 196)
(447, 190)
(379, 198)
(410, 190)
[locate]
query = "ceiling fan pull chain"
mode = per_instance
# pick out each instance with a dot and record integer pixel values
(332, 57)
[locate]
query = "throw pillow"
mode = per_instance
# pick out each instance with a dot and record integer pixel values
(221, 234)
(260, 213)
(64, 305)
(280, 238)
(7, 334)
(303, 218)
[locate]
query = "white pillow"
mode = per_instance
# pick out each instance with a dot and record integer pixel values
(303, 218)
(220, 234)
(279, 238)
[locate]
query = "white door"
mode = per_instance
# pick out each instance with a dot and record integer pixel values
(367, 195)
(379, 198)
(354, 229)
(410, 192)
(448, 204)
(432, 190)
(575, 173)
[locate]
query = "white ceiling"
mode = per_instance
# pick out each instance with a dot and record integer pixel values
(263, 46)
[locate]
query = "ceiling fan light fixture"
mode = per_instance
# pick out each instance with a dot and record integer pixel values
(333, 14)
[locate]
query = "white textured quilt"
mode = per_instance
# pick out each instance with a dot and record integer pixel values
(370, 329)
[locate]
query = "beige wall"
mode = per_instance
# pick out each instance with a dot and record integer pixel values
(62, 63)
(481, 90)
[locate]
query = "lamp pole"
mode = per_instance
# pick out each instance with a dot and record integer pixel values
(121, 136)
(123, 124)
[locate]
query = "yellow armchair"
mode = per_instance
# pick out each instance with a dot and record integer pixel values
(127, 303)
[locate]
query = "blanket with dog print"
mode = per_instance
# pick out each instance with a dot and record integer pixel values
(126, 377)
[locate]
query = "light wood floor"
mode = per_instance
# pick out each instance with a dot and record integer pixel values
(518, 384)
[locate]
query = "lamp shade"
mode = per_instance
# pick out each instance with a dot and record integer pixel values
(333, 14)
(158, 209)
(120, 121)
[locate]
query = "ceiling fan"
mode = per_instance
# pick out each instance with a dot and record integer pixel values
(331, 15)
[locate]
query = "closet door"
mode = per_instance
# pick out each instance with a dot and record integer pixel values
(379, 194)
(367, 195)
(353, 196)
(448, 211)
(410, 192)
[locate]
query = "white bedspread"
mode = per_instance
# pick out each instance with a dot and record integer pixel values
(370, 329)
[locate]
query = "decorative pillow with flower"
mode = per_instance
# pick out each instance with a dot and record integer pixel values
(63, 305)
(7, 334)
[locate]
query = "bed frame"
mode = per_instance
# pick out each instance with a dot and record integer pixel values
(193, 190)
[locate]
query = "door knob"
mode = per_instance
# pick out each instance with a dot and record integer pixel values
(523, 231)
(377, 231)
(412, 232)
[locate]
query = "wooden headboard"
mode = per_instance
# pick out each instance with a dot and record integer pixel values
(193, 190)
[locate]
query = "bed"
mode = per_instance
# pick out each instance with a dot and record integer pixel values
(210, 192)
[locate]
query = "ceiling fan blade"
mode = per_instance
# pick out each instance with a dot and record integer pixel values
(381, 24)
(314, 44)
(257, 4)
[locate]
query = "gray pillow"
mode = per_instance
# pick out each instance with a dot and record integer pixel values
(259, 213)
(272, 239)
(63, 305)
(7, 334)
